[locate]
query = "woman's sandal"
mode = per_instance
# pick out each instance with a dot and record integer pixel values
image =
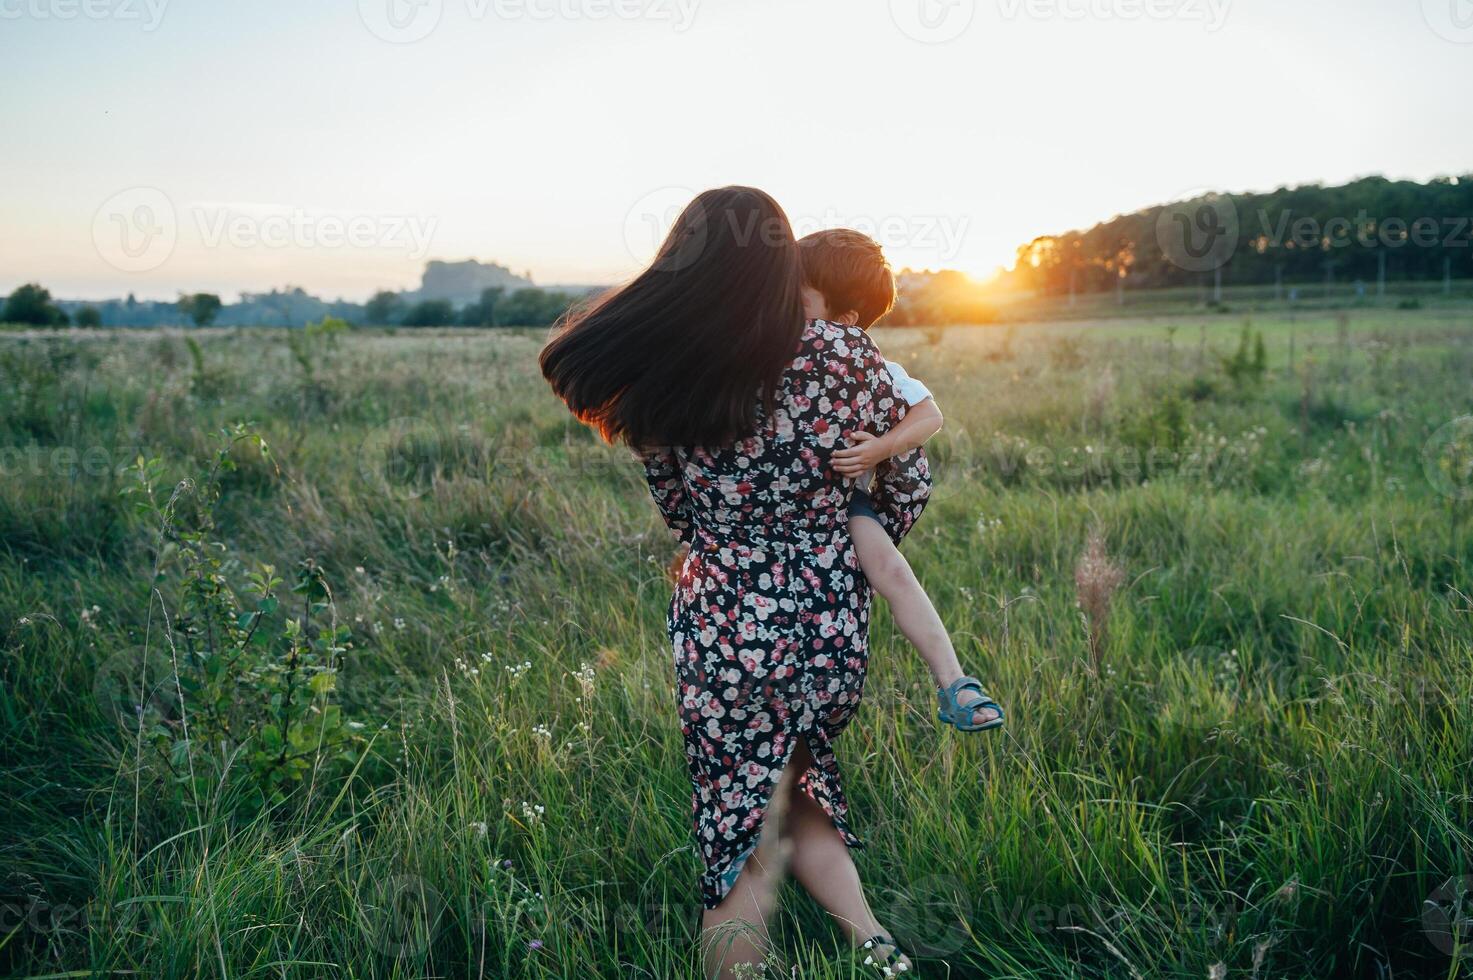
(889, 963)
(959, 716)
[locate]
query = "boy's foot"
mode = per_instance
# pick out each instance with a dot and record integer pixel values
(966, 706)
(982, 715)
(882, 953)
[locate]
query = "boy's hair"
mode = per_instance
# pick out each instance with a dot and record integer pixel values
(851, 272)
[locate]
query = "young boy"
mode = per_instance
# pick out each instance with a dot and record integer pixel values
(848, 280)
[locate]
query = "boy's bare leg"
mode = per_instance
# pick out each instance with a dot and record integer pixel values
(891, 576)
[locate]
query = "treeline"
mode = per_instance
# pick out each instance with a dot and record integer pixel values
(32, 305)
(1362, 230)
(495, 308)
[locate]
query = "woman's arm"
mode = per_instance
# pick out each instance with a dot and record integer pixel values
(868, 450)
(667, 486)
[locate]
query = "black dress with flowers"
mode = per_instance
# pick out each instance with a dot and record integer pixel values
(769, 621)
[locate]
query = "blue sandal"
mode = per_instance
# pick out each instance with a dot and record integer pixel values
(960, 716)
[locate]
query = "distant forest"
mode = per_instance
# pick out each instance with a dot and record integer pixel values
(1362, 230)
(33, 305)
(465, 293)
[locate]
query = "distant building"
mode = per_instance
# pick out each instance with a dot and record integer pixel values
(463, 282)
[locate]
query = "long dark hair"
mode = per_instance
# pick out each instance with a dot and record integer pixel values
(682, 355)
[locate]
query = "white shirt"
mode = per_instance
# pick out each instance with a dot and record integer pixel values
(907, 387)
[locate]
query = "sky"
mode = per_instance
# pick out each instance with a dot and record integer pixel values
(160, 146)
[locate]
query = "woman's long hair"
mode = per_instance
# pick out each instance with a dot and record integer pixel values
(682, 355)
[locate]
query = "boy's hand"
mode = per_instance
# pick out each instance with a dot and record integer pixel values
(865, 452)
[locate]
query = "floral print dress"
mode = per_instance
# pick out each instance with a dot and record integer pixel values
(769, 621)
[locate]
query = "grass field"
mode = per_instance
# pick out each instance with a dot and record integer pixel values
(436, 737)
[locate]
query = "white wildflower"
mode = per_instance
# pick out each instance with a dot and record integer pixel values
(585, 678)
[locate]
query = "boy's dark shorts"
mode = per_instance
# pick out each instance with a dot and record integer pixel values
(860, 505)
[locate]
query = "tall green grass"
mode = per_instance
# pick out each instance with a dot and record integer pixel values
(1264, 772)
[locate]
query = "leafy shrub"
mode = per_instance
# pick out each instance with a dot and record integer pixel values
(1157, 425)
(252, 681)
(1200, 389)
(307, 347)
(206, 380)
(1249, 362)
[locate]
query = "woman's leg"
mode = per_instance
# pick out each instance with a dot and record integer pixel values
(891, 576)
(735, 932)
(822, 864)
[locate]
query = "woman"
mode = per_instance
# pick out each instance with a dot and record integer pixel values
(705, 366)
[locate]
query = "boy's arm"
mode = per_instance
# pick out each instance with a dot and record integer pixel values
(902, 484)
(866, 450)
